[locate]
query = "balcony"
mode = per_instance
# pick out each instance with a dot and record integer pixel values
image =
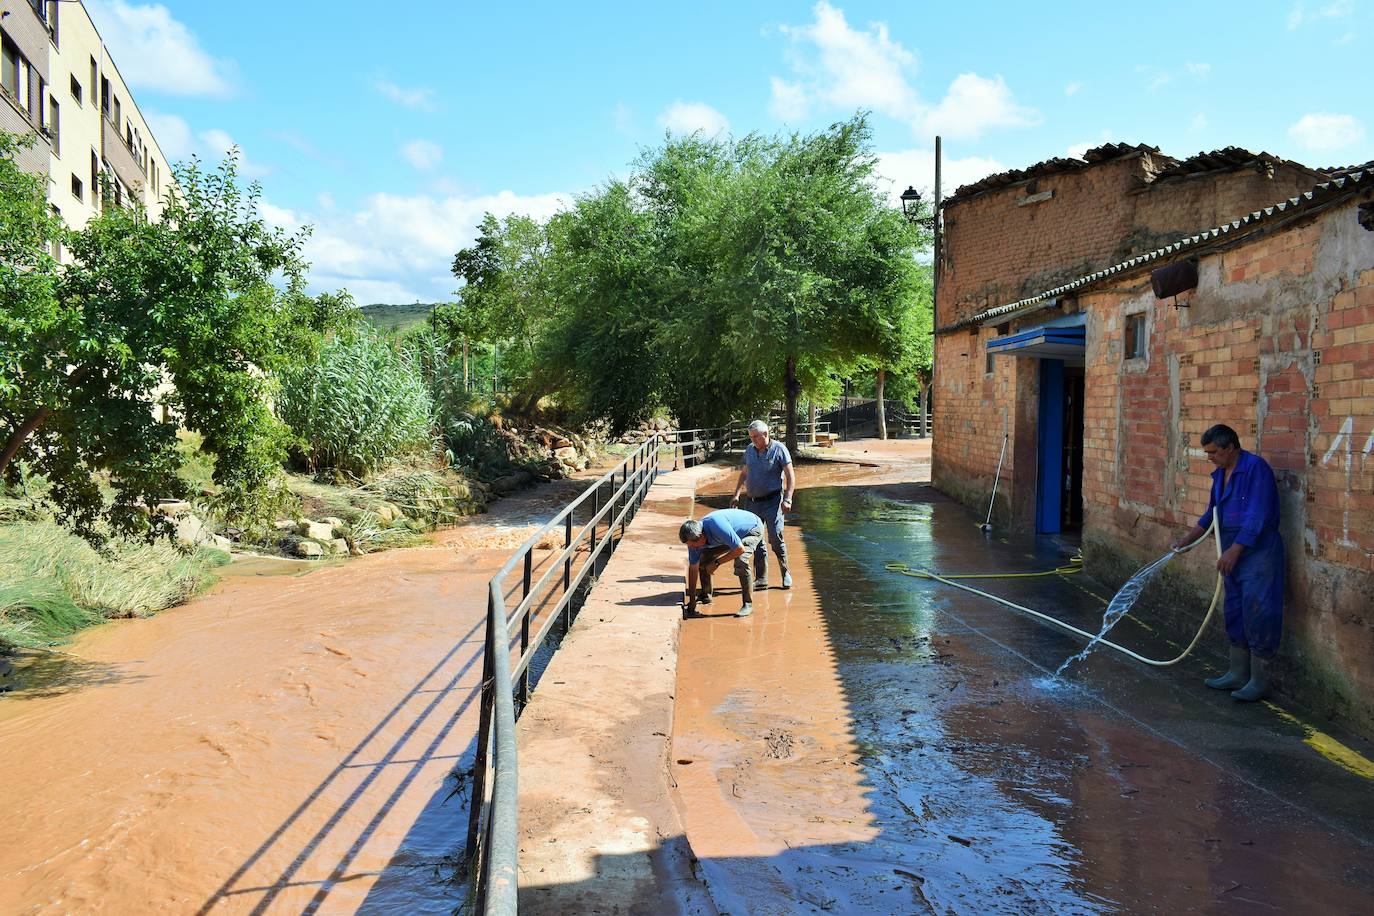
(121, 158)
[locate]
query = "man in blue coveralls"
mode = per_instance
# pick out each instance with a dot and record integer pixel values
(1251, 563)
(722, 536)
(770, 479)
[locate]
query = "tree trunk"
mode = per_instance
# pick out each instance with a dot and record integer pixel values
(790, 389)
(811, 419)
(25, 430)
(882, 405)
(467, 379)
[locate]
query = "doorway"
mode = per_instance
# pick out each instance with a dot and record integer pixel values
(1059, 485)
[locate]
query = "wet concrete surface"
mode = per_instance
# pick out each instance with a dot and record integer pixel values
(870, 742)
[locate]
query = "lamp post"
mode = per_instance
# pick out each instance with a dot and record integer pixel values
(911, 203)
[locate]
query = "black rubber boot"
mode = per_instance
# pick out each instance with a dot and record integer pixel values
(1258, 687)
(1238, 673)
(746, 594)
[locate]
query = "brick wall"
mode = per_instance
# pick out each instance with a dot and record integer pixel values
(998, 248)
(1277, 342)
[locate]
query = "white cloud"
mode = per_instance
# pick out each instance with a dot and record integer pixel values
(155, 51)
(396, 248)
(788, 101)
(975, 104)
(422, 154)
(173, 135)
(1199, 122)
(178, 142)
(916, 167)
(1300, 15)
(1197, 69)
(860, 69)
(839, 67)
(417, 98)
(1322, 131)
(325, 200)
(1072, 88)
(1345, 39)
(690, 117)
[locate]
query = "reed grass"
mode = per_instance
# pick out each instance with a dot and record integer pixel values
(53, 583)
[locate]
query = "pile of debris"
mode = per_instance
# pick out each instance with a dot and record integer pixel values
(647, 429)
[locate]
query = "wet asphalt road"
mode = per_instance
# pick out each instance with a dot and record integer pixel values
(992, 787)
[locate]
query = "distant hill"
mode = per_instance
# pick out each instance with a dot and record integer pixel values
(397, 319)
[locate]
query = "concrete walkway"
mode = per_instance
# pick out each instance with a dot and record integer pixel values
(598, 829)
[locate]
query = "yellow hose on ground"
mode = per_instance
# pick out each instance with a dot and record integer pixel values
(1076, 565)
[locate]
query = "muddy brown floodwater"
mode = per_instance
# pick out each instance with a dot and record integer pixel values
(282, 744)
(873, 743)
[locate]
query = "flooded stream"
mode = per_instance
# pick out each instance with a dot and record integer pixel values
(283, 744)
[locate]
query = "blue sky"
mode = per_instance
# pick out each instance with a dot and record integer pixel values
(391, 128)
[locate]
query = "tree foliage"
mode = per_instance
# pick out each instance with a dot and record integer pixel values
(151, 326)
(721, 276)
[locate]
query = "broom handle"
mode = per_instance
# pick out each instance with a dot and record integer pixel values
(996, 477)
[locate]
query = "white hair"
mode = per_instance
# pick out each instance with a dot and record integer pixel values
(758, 426)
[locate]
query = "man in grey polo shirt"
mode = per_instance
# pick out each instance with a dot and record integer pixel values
(770, 481)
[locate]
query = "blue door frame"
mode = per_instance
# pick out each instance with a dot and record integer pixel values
(1050, 448)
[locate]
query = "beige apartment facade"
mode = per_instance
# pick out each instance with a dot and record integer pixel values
(58, 81)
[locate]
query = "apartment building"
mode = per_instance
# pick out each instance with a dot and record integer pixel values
(58, 81)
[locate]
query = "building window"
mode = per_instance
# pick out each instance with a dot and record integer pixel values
(95, 179)
(9, 66)
(95, 78)
(55, 126)
(77, 188)
(76, 90)
(1135, 336)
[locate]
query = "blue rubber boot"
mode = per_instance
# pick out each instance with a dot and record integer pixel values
(1258, 687)
(1237, 674)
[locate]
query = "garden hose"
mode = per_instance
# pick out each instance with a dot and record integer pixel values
(1076, 565)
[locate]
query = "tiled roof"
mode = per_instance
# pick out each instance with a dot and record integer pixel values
(1057, 166)
(1323, 195)
(1228, 159)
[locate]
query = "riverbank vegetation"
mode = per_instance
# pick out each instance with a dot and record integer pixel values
(171, 381)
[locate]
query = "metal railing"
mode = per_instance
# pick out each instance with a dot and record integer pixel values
(545, 594)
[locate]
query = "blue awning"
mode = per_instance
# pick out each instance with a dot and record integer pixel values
(1068, 343)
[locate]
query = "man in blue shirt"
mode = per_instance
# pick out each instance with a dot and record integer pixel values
(1246, 497)
(723, 535)
(771, 480)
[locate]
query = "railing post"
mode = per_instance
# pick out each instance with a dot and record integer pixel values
(567, 568)
(525, 629)
(596, 510)
(479, 763)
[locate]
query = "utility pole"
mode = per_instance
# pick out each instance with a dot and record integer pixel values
(934, 292)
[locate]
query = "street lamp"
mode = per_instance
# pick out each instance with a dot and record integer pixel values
(911, 203)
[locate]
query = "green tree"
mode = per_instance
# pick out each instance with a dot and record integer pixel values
(155, 325)
(506, 298)
(798, 263)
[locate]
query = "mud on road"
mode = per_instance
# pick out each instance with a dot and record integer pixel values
(868, 742)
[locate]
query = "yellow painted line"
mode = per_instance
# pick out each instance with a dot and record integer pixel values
(1346, 758)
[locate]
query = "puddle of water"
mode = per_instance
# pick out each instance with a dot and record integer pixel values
(1119, 606)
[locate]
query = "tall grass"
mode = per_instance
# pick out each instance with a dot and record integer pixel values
(53, 583)
(360, 404)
